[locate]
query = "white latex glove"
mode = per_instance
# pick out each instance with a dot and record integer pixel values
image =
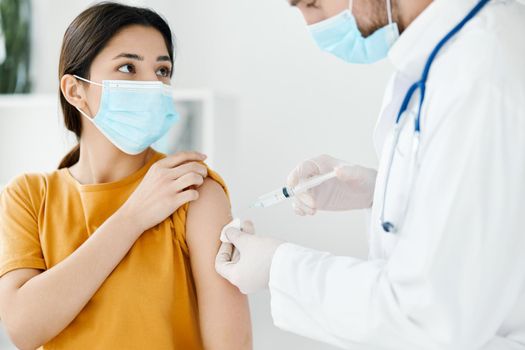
(246, 261)
(353, 188)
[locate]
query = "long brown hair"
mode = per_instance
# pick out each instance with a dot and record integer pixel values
(85, 37)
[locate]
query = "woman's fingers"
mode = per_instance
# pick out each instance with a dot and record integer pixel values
(191, 167)
(185, 197)
(188, 180)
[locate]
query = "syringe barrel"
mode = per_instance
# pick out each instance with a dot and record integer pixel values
(272, 198)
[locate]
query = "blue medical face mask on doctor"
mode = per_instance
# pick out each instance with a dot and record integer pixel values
(340, 36)
(133, 114)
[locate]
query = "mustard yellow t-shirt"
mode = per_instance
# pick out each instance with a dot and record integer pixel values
(148, 301)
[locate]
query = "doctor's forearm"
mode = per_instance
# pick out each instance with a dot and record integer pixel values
(47, 303)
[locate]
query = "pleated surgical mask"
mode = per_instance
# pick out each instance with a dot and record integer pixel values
(133, 114)
(340, 36)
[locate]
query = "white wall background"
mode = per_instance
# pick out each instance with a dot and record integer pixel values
(294, 102)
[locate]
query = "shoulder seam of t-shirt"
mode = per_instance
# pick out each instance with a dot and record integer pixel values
(41, 191)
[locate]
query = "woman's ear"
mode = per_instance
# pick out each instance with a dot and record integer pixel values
(73, 91)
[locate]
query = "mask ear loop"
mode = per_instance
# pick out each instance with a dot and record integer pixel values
(90, 82)
(388, 11)
(87, 80)
(351, 5)
(394, 29)
(85, 114)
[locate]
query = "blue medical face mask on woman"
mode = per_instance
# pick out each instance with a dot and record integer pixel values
(340, 36)
(134, 114)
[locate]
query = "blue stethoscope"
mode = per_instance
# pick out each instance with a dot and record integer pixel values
(390, 226)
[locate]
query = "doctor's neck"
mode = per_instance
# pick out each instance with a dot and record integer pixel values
(372, 14)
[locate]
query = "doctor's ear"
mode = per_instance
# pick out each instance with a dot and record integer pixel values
(73, 91)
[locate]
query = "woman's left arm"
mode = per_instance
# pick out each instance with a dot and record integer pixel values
(223, 309)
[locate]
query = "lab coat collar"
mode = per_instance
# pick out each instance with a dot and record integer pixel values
(410, 53)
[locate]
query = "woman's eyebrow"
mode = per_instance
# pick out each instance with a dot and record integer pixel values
(163, 58)
(134, 56)
(131, 56)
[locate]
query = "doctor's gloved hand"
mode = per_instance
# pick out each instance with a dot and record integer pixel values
(353, 188)
(245, 260)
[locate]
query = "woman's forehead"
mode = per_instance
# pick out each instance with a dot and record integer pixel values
(141, 40)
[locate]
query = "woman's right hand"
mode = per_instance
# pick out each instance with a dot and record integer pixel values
(169, 184)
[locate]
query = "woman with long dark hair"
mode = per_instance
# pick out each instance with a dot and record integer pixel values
(116, 248)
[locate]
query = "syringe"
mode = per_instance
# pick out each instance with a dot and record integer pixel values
(284, 193)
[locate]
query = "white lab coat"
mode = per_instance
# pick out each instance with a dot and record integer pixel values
(454, 276)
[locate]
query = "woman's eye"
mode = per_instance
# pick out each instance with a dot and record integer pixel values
(127, 68)
(163, 72)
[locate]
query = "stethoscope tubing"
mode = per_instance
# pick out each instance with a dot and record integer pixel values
(389, 226)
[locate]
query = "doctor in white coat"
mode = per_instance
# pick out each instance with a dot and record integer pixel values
(446, 268)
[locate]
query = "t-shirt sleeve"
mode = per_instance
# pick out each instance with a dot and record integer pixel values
(19, 236)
